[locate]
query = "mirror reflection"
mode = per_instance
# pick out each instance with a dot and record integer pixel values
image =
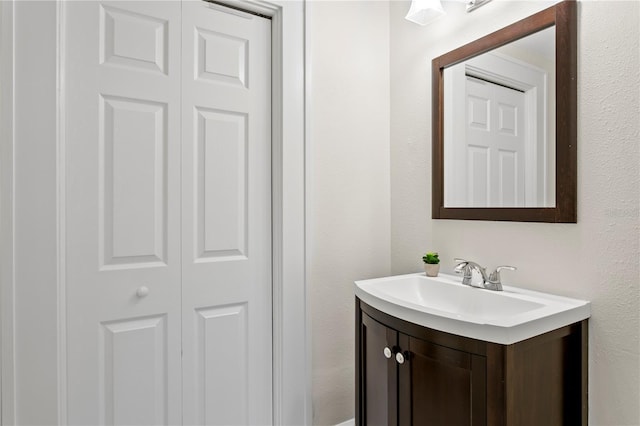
(499, 126)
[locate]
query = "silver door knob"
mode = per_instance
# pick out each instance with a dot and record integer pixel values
(142, 291)
(400, 358)
(387, 353)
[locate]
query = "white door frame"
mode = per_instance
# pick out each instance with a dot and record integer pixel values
(6, 214)
(32, 122)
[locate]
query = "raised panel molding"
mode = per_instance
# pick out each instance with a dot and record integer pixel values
(133, 40)
(479, 113)
(508, 119)
(221, 185)
(134, 371)
(223, 378)
(508, 178)
(478, 176)
(133, 183)
(221, 58)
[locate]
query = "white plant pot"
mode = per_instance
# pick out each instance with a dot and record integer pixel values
(432, 269)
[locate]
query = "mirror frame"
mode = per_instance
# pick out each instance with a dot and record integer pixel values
(564, 16)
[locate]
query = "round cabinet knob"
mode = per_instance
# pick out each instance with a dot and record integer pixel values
(400, 358)
(142, 291)
(387, 353)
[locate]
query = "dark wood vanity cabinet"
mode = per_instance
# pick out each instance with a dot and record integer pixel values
(443, 379)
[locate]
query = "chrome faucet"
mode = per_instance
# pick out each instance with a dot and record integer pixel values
(490, 282)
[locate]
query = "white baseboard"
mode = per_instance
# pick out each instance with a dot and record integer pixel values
(350, 422)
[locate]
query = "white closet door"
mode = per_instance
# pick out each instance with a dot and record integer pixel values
(495, 145)
(122, 161)
(226, 216)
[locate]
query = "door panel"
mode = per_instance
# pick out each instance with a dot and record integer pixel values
(221, 164)
(221, 57)
(133, 39)
(132, 182)
(123, 212)
(479, 182)
(134, 371)
(222, 341)
(495, 145)
(226, 216)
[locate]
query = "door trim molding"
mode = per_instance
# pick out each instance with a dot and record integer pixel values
(291, 363)
(291, 345)
(61, 199)
(7, 105)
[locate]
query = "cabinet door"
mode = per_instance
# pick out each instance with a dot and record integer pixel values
(378, 374)
(440, 386)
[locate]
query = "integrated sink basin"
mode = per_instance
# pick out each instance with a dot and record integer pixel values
(444, 303)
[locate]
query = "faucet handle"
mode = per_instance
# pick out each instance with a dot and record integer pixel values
(495, 275)
(461, 264)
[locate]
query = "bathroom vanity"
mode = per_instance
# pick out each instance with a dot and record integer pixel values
(408, 373)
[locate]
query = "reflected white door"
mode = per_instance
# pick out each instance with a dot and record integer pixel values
(167, 214)
(494, 145)
(226, 214)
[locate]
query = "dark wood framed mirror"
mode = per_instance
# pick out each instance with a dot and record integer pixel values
(560, 205)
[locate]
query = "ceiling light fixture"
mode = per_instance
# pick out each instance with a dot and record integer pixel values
(423, 12)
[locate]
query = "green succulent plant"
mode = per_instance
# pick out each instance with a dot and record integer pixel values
(431, 258)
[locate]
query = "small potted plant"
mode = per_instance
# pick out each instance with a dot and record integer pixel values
(431, 264)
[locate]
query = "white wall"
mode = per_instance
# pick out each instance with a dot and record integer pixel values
(596, 259)
(348, 184)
